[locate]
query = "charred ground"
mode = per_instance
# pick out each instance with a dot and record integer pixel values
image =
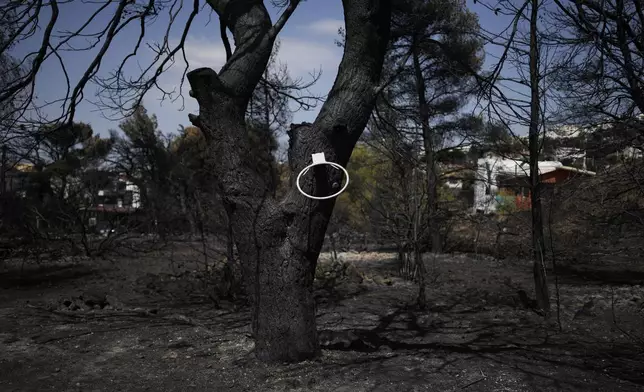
(137, 325)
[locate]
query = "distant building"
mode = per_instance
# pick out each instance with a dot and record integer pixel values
(121, 193)
(505, 182)
(113, 203)
(583, 144)
(16, 179)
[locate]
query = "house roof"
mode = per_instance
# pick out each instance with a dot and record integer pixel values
(576, 170)
(515, 166)
(111, 208)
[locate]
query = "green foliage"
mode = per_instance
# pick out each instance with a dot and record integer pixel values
(444, 35)
(66, 148)
(507, 206)
(175, 172)
(434, 54)
(190, 156)
(144, 145)
(365, 170)
(64, 152)
(445, 195)
(189, 150)
(64, 157)
(143, 153)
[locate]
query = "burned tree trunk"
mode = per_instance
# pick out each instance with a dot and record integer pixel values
(279, 241)
(538, 240)
(428, 142)
(432, 182)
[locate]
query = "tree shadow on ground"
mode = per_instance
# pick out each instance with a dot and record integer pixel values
(545, 359)
(572, 275)
(487, 326)
(473, 336)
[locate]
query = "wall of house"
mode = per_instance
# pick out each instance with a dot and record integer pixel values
(121, 193)
(136, 196)
(489, 168)
(556, 176)
(121, 198)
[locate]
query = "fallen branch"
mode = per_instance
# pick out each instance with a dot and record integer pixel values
(484, 377)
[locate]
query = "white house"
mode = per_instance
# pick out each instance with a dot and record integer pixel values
(488, 171)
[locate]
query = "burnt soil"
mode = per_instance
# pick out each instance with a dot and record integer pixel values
(148, 329)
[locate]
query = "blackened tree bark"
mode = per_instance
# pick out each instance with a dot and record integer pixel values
(428, 141)
(279, 240)
(538, 241)
(432, 179)
(3, 170)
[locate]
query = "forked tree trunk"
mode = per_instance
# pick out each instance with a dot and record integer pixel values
(279, 241)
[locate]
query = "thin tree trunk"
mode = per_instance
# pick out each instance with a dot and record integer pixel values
(432, 224)
(419, 264)
(3, 171)
(421, 301)
(428, 141)
(267, 111)
(554, 263)
(230, 245)
(185, 212)
(401, 260)
(408, 268)
(333, 248)
(538, 240)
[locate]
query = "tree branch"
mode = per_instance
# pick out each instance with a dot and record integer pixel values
(224, 38)
(367, 36)
(344, 115)
(250, 25)
(277, 27)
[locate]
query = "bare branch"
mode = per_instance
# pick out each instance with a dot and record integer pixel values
(224, 38)
(277, 27)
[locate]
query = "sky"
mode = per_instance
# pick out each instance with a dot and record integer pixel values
(307, 45)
